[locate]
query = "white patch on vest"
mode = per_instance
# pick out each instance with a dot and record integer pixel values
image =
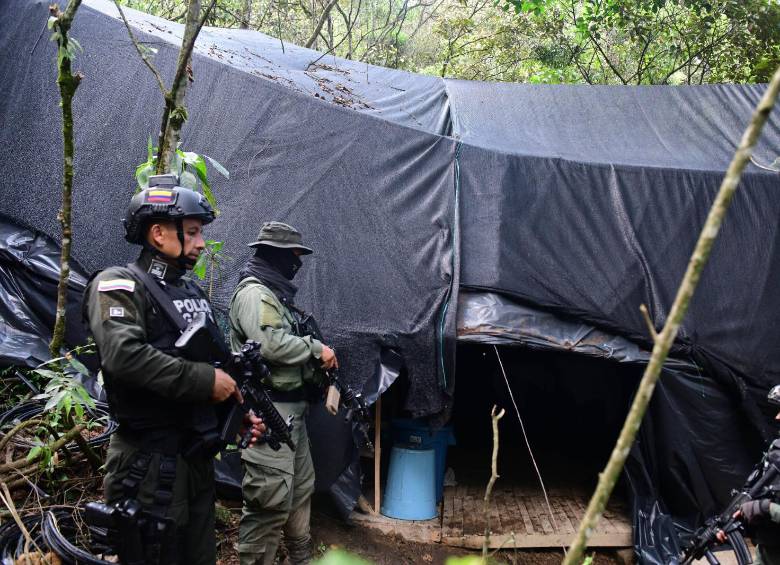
(116, 312)
(158, 269)
(116, 284)
(190, 306)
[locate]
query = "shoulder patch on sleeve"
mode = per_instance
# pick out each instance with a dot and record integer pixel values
(116, 284)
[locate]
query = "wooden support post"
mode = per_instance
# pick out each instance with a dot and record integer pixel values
(377, 453)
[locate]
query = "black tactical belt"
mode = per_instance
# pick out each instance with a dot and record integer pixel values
(296, 395)
(167, 442)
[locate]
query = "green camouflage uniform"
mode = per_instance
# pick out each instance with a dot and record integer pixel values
(277, 485)
(123, 321)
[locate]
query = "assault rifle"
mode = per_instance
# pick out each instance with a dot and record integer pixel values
(247, 368)
(762, 483)
(338, 391)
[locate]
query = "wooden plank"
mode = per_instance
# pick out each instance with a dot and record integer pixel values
(457, 503)
(527, 521)
(511, 518)
(473, 522)
(377, 453)
(544, 515)
(448, 511)
(564, 524)
(506, 541)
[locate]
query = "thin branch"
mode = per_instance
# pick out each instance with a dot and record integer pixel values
(493, 476)
(323, 17)
(649, 322)
(137, 46)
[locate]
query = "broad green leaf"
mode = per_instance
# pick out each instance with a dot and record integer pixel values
(79, 366)
(67, 403)
(177, 165)
(189, 157)
(149, 150)
(199, 165)
(33, 453)
(76, 45)
(199, 270)
(143, 172)
(46, 373)
(220, 169)
(54, 401)
(188, 180)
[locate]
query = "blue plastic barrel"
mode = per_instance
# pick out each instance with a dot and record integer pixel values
(416, 434)
(410, 491)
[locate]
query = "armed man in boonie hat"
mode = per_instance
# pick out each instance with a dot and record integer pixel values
(277, 485)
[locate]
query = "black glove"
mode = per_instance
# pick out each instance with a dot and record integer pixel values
(754, 510)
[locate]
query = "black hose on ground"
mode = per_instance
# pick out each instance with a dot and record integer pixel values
(56, 530)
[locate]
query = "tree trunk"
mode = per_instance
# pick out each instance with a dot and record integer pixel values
(665, 338)
(175, 114)
(67, 83)
(246, 15)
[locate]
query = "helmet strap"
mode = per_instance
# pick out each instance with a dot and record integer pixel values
(182, 260)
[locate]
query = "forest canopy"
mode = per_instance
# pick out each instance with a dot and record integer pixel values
(538, 41)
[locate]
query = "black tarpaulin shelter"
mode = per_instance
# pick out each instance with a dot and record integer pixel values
(577, 202)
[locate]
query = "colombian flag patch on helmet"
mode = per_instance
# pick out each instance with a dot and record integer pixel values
(160, 196)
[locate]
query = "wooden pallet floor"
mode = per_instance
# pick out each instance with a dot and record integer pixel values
(520, 518)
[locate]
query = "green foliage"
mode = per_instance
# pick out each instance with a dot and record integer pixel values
(65, 398)
(66, 47)
(545, 41)
(340, 557)
(209, 260)
(466, 560)
(189, 167)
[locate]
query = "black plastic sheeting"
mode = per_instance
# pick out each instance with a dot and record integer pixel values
(676, 479)
(29, 273)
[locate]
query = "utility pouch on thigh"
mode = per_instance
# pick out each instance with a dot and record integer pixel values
(138, 535)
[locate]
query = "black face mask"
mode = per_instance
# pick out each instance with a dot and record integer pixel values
(283, 260)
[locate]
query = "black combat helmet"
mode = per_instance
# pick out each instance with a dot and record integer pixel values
(164, 200)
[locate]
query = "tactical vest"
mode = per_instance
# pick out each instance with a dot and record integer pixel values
(144, 417)
(283, 377)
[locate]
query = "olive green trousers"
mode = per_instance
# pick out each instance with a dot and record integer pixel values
(192, 507)
(277, 489)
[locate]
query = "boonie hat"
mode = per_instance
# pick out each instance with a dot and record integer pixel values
(281, 235)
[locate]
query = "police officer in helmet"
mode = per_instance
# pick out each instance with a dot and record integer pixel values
(161, 454)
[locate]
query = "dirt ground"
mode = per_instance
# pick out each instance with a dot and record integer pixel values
(382, 549)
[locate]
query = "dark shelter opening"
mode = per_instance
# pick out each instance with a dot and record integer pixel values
(572, 408)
